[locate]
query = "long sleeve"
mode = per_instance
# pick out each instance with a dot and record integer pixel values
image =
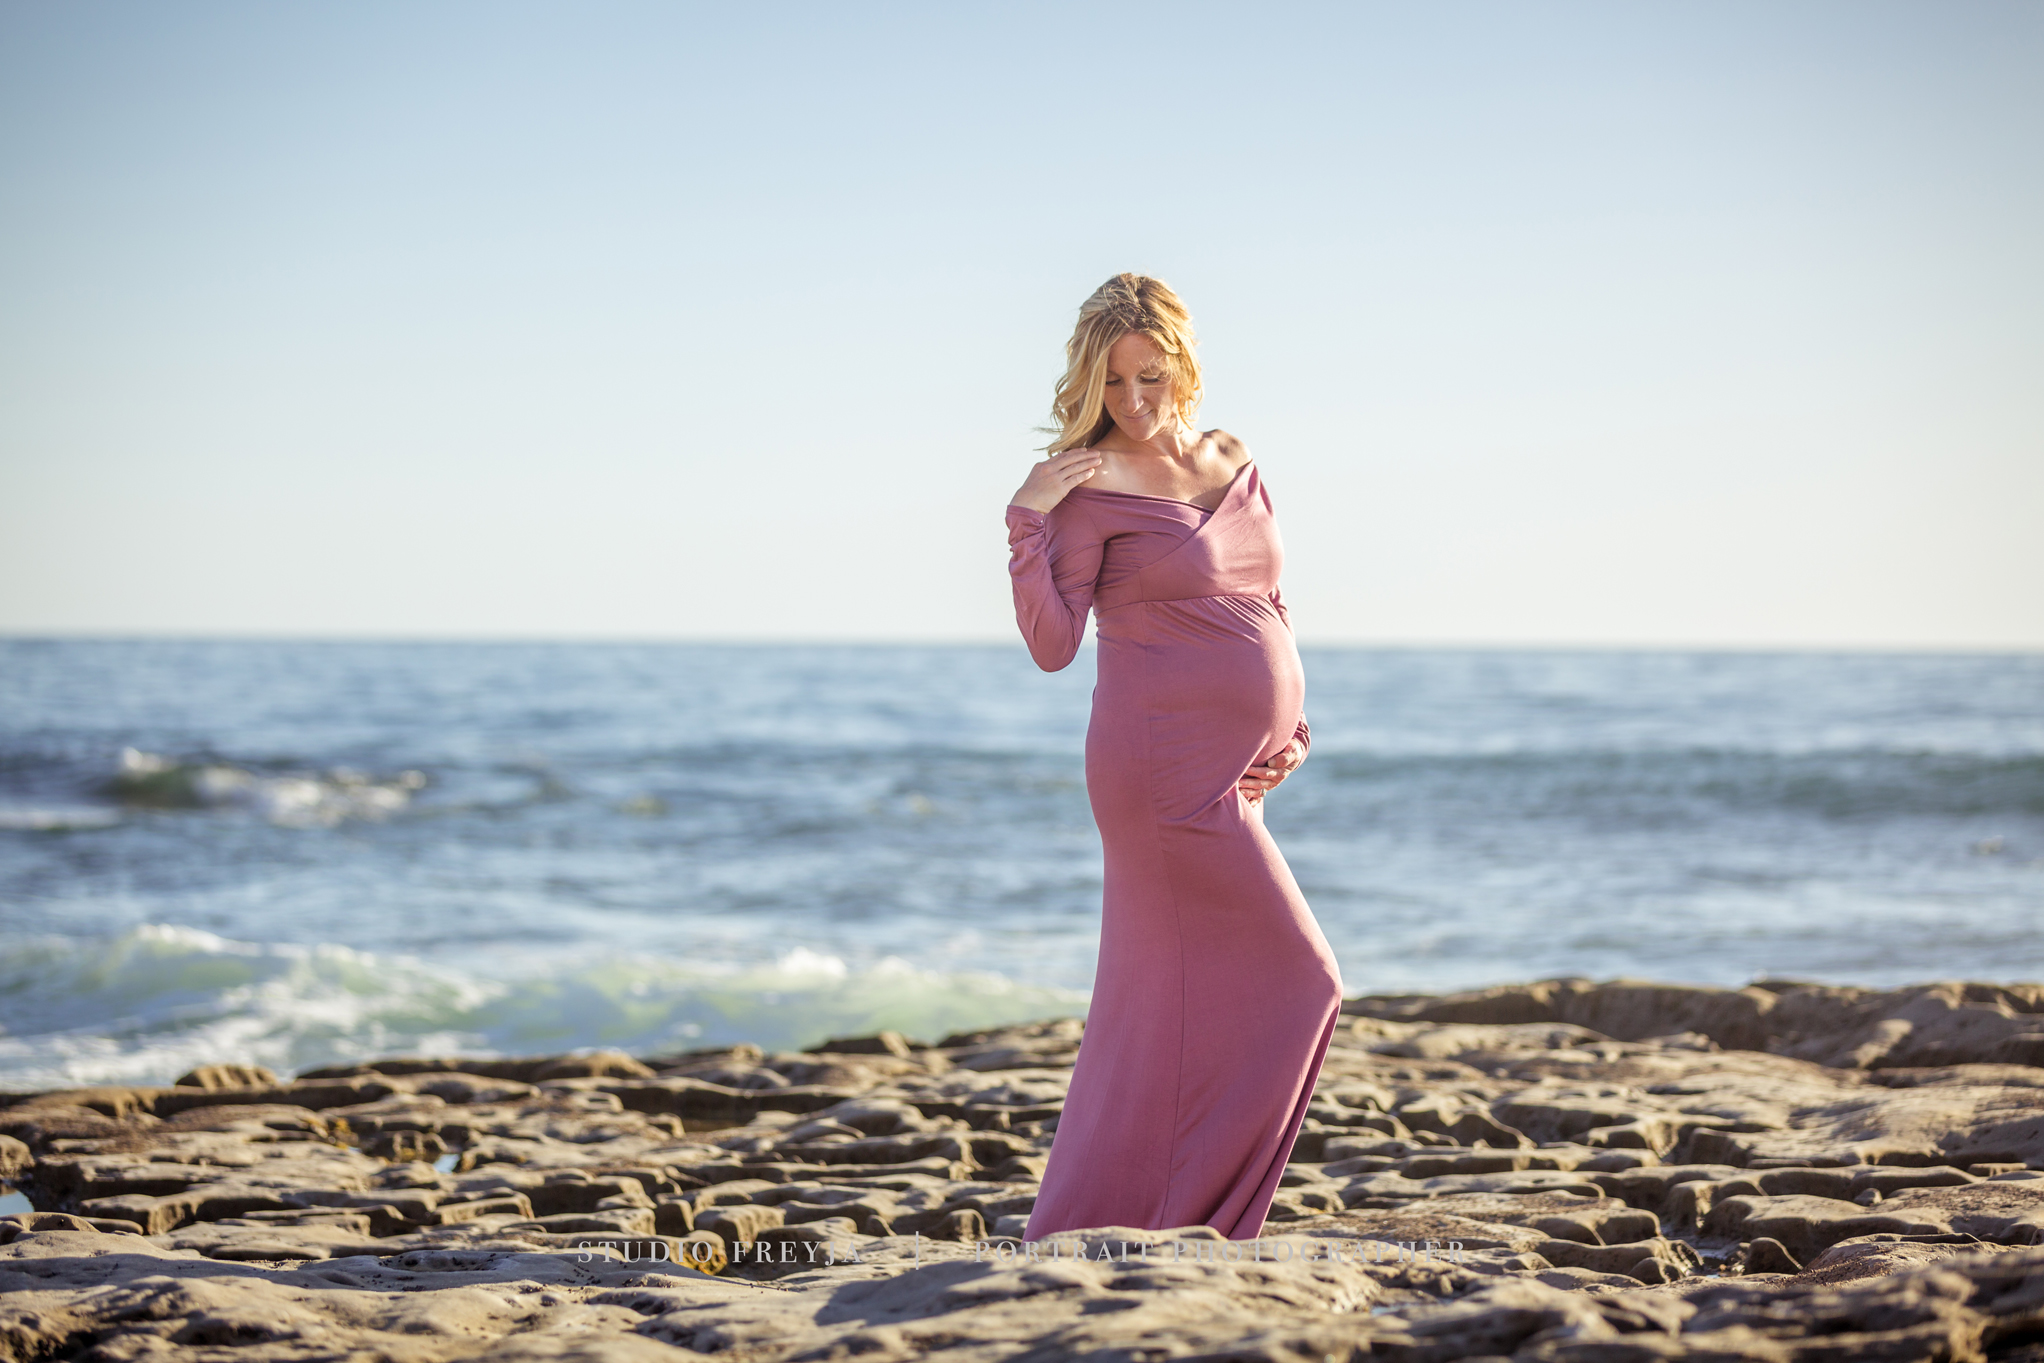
(1303, 735)
(1053, 563)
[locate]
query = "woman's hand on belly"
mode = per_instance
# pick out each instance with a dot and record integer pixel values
(1260, 781)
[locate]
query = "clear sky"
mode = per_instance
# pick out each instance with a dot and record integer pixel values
(1629, 323)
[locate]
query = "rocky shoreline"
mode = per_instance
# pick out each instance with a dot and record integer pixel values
(1562, 1170)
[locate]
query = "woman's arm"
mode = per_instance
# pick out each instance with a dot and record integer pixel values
(1277, 602)
(1261, 780)
(1303, 735)
(1053, 563)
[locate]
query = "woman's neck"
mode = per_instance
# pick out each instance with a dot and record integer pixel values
(1175, 442)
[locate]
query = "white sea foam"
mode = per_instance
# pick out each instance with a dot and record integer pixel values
(151, 1003)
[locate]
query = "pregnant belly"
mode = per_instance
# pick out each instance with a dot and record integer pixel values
(1191, 694)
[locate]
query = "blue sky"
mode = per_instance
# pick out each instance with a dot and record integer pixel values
(1642, 324)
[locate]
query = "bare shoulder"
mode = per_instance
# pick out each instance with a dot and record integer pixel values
(1111, 475)
(1229, 447)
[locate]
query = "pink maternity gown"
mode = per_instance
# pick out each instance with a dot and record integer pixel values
(1216, 995)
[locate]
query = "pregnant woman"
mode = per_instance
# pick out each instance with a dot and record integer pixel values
(1216, 995)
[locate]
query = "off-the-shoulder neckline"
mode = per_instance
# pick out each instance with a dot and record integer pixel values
(1247, 464)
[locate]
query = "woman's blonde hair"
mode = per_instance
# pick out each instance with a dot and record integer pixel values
(1125, 303)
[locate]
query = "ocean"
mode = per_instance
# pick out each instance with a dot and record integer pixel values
(301, 853)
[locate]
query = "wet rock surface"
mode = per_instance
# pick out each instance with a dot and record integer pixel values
(1555, 1171)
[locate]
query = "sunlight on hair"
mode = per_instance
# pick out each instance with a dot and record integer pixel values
(1125, 303)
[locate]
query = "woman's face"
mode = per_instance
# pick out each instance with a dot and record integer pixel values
(1139, 396)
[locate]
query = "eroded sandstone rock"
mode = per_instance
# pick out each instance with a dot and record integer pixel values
(1555, 1171)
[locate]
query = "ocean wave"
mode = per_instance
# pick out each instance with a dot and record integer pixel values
(35, 820)
(1623, 784)
(151, 1003)
(294, 799)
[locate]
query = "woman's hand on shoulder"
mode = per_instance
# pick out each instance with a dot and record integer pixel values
(1050, 480)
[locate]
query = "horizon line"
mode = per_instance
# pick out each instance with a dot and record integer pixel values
(10, 636)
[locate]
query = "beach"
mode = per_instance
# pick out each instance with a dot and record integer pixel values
(535, 824)
(544, 1001)
(1560, 1170)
